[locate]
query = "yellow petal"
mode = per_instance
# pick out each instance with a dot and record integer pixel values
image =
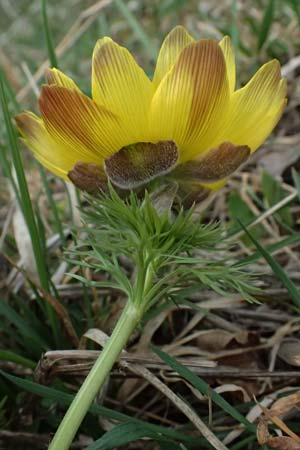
(192, 99)
(256, 108)
(55, 76)
(265, 127)
(228, 51)
(121, 86)
(35, 136)
(171, 48)
(74, 120)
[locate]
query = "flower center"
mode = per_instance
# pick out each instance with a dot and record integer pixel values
(139, 163)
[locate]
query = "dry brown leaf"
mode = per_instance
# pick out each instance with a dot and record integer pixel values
(191, 324)
(253, 414)
(149, 330)
(285, 404)
(235, 301)
(283, 443)
(289, 351)
(229, 387)
(262, 432)
(277, 421)
(280, 407)
(218, 339)
(277, 161)
(279, 442)
(184, 350)
(96, 335)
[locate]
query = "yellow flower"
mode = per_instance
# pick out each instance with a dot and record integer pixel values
(188, 124)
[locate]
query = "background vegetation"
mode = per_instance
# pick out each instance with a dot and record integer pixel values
(218, 354)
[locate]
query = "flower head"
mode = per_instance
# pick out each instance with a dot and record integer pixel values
(188, 124)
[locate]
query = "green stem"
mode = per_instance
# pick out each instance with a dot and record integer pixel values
(67, 430)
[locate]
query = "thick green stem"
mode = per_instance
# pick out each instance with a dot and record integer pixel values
(65, 434)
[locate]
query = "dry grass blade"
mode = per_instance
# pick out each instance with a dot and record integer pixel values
(80, 361)
(280, 407)
(177, 401)
(63, 315)
(24, 244)
(240, 350)
(267, 214)
(100, 337)
(81, 24)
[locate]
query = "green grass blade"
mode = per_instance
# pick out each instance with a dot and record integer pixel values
(121, 435)
(250, 218)
(295, 5)
(25, 205)
(277, 269)
(57, 221)
(234, 31)
(65, 399)
(237, 208)
(54, 63)
(5, 163)
(266, 24)
(24, 328)
(6, 355)
(48, 36)
(9, 91)
(243, 443)
(30, 315)
(6, 166)
(204, 388)
(136, 28)
(294, 239)
(7, 169)
(296, 180)
(273, 193)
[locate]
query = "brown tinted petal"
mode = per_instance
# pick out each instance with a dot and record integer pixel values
(55, 76)
(192, 99)
(71, 118)
(174, 43)
(88, 177)
(120, 85)
(216, 164)
(255, 109)
(140, 163)
(228, 51)
(58, 159)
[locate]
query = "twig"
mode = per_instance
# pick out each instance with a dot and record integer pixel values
(82, 23)
(290, 66)
(79, 362)
(266, 214)
(181, 405)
